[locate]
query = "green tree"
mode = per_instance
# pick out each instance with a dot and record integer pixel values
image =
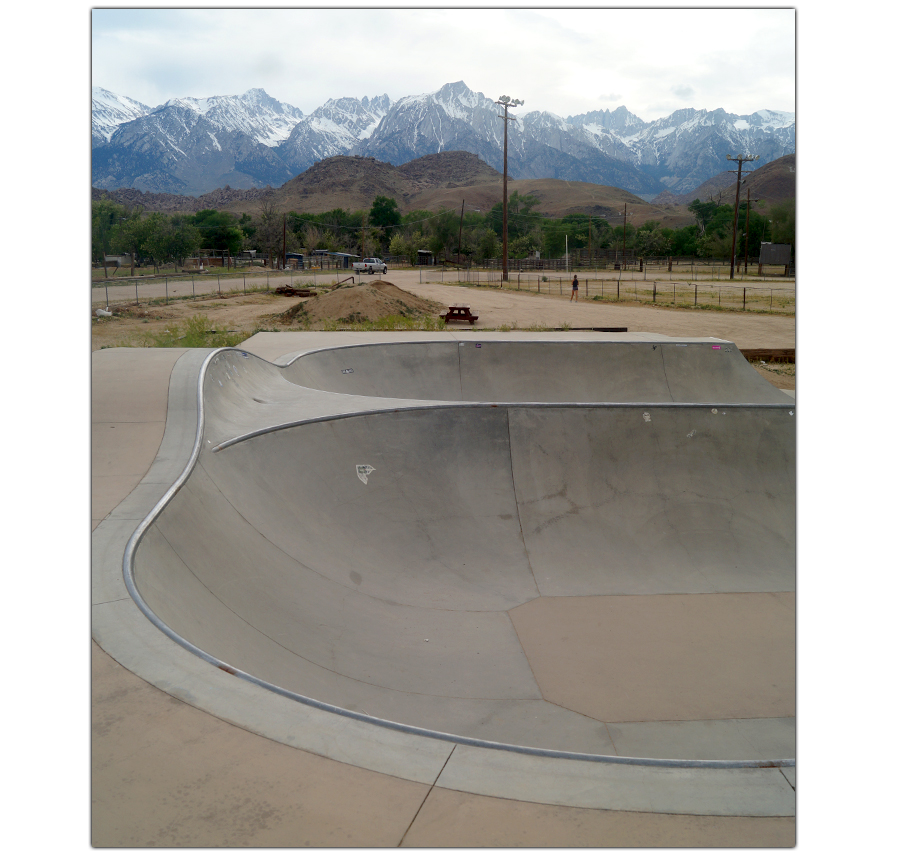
(170, 237)
(684, 241)
(653, 240)
(384, 213)
(105, 216)
(271, 233)
(488, 244)
(129, 234)
(520, 215)
(783, 227)
(219, 231)
(703, 212)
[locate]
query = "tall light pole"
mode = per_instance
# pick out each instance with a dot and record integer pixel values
(737, 198)
(506, 102)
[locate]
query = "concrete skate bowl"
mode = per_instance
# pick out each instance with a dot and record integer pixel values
(598, 564)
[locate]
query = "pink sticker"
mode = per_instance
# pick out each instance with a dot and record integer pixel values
(716, 348)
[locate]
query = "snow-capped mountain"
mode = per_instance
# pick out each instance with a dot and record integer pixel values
(109, 111)
(685, 149)
(255, 113)
(177, 149)
(333, 129)
(193, 145)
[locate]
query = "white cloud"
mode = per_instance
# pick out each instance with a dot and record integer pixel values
(555, 59)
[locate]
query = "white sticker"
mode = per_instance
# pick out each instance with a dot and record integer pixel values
(646, 417)
(363, 471)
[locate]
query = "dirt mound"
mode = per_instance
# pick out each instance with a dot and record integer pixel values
(362, 302)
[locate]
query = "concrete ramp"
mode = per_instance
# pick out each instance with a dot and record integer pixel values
(343, 538)
(642, 369)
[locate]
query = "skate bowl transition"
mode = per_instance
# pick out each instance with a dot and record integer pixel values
(575, 549)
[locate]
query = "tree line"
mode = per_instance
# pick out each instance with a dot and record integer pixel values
(383, 231)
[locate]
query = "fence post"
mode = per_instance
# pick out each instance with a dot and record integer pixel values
(695, 294)
(107, 296)
(193, 292)
(167, 290)
(745, 298)
(654, 291)
(136, 300)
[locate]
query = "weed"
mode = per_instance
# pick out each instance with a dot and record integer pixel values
(198, 332)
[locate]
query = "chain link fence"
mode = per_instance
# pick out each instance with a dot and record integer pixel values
(596, 285)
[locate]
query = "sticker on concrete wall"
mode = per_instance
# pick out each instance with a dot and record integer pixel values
(716, 348)
(646, 417)
(363, 471)
(346, 371)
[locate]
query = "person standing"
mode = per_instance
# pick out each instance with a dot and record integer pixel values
(574, 288)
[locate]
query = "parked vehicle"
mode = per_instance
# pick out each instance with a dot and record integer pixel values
(370, 265)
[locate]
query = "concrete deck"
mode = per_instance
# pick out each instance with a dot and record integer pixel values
(555, 624)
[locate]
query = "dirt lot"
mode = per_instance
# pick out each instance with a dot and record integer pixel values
(245, 314)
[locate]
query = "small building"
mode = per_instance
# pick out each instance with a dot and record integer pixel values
(120, 259)
(343, 260)
(774, 254)
(424, 257)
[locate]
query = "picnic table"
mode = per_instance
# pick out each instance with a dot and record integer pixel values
(459, 313)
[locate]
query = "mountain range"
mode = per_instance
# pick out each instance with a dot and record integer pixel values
(192, 146)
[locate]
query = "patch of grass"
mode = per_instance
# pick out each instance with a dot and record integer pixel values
(197, 332)
(392, 322)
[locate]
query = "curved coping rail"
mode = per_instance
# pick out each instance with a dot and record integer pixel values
(138, 535)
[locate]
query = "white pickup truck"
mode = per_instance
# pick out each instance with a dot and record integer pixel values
(370, 266)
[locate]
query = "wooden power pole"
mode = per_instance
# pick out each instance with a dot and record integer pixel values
(737, 201)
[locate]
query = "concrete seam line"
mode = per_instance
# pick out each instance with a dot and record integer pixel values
(436, 406)
(138, 535)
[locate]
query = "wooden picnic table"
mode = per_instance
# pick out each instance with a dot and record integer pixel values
(459, 313)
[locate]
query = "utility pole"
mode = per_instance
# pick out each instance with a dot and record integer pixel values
(737, 198)
(625, 240)
(284, 242)
(506, 102)
(459, 240)
(747, 228)
(590, 256)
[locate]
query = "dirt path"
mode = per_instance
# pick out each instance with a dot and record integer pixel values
(495, 308)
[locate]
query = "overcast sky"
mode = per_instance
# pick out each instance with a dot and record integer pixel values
(565, 61)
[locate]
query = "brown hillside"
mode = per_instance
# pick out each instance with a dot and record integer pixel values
(433, 182)
(772, 183)
(557, 197)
